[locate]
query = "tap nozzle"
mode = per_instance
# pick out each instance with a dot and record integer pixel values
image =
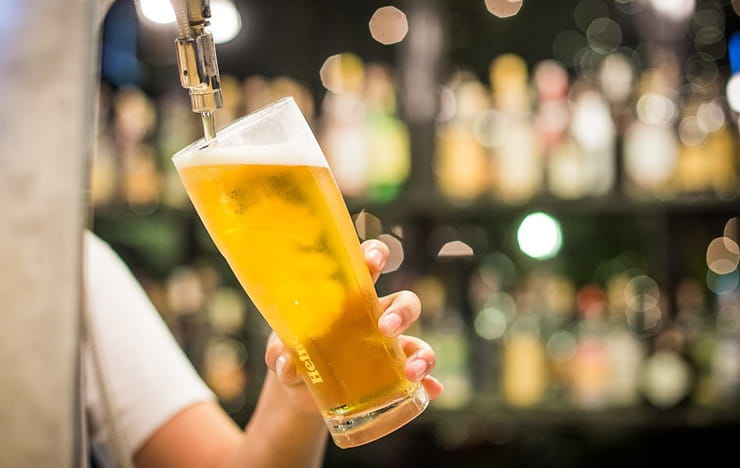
(196, 59)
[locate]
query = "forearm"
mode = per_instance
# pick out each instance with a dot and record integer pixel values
(279, 434)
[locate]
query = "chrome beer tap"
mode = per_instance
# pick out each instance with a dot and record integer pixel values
(196, 59)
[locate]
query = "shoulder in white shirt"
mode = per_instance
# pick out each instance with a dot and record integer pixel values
(146, 375)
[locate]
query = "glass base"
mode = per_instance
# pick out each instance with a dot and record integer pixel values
(362, 428)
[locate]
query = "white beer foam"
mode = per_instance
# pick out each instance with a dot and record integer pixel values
(283, 154)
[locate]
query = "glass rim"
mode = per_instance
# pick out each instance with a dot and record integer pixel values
(256, 115)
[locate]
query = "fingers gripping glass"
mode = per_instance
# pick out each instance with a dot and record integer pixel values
(265, 193)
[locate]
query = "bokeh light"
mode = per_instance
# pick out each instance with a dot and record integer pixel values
(562, 345)
(604, 35)
(368, 226)
(157, 11)
(674, 9)
(342, 73)
(388, 25)
(566, 45)
(455, 249)
(723, 255)
(643, 312)
(539, 236)
(690, 132)
(395, 255)
(710, 117)
(665, 379)
(728, 318)
(656, 109)
(592, 125)
(491, 128)
(733, 92)
(616, 76)
(491, 322)
(226, 22)
(504, 8)
(731, 228)
(588, 10)
(722, 284)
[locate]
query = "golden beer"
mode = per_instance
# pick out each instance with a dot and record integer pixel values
(275, 213)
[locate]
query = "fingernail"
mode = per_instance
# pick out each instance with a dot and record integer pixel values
(280, 365)
(376, 256)
(390, 323)
(419, 367)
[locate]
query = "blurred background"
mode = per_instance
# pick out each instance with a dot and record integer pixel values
(558, 181)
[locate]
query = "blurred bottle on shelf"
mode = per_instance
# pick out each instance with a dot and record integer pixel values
(651, 145)
(616, 77)
(667, 376)
(695, 322)
(524, 376)
(443, 328)
(177, 129)
(134, 121)
(563, 157)
(389, 151)
(224, 371)
(707, 156)
(494, 309)
(517, 156)
(593, 130)
(557, 301)
(624, 349)
(726, 356)
(342, 131)
(461, 162)
(524, 372)
(591, 372)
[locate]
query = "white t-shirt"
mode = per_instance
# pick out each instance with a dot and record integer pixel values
(148, 378)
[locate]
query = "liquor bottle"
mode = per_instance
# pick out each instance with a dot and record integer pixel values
(593, 130)
(341, 132)
(389, 153)
(707, 162)
(135, 117)
(517, 158)
(178, 128)
(651, 145)
(524, 366)
(591, 367)
(624, 348)
(443, 328)
(726, 355)
(667, 377)
(461, 161)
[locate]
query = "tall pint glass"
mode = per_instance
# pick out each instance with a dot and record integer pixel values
(265, 194)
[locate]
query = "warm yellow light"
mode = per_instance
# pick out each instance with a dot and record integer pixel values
(388, 25)
(157, 11)
(723, 255)
(504, 8)
(342, 73)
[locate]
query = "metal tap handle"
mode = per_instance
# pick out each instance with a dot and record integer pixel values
(196, 59)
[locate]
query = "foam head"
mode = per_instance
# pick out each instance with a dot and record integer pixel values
(275, 134)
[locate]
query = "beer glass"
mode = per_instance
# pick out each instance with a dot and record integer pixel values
(265, 193)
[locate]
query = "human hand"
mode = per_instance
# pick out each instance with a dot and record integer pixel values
(400, 310)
